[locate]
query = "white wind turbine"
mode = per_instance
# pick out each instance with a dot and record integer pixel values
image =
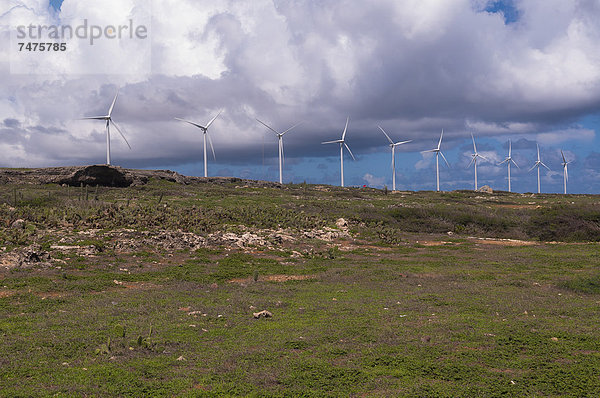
(393, 145)
(509, 160)
(474, 156)
(343, 144)
(537, 164)
(565, 171)
(438, 152)
(109, 121)
(280, 138)
(205, 134)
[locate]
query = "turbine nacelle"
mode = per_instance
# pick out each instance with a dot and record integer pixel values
(343, 144)
(342, 141)
(280, 139)
(538, 164)
(206, 135)
(109, 121)
(393, 145)
(438, 152)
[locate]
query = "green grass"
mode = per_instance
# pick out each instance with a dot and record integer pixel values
(377, 314)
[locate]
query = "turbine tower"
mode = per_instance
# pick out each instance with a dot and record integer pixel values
(537, 164)
(109, 121)
(393, 146)
(343, 144)
(205, 134)
(280, 138)
(509, 160)
(474, 156)
(438, 152)
(565, 171)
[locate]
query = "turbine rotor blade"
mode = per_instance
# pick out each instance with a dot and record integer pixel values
(386, 136)
(345, 128)
(509, 148)
(474, 147)
(192, 123)
(293, 127)
(333, 142)
(471, 162)
(348, 148)
(440, 142)
(120, 132)
(545, 166)
(213, 119)
(443, 157)
(211, 145)
(267, 126)
(515, 164)
(430, 150)
(113, 104)
(402, 142)
(95, 118)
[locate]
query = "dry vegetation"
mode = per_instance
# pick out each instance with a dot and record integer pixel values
(150, 291)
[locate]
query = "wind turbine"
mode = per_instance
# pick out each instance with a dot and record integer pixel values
(205, 133)
(280, 138)
(393, 146)
(538, 164)
(509, 160)
(438, 152)
(343, 144)
(108, 119)
(565, 171)
(474, 156)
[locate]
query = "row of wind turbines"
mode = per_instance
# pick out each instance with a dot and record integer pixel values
(475, 155)
(342, 142)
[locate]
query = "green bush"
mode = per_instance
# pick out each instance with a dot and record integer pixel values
(566, 223)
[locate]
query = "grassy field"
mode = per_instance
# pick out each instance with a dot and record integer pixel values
(150, 291)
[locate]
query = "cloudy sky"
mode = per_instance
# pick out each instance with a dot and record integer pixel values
(524, 70)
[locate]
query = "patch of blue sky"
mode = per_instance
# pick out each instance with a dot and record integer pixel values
(507, 8)
(56, 4)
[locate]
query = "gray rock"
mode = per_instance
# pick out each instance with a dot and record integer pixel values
(18, 224)
(485, 189)
(262, 314)
(341, 223)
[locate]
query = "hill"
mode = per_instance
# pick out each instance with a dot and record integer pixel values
(105, 176)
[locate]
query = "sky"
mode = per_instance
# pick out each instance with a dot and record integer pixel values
(522, 70)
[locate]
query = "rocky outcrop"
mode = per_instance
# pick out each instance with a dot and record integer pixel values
(25, 257)
(110, 176)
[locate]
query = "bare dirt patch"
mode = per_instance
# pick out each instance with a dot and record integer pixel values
(505, 242)
(429, 243)
(53, 295)
(517, 206)
(7, 293)
(136, 285)
(274, 278)
(364, 246)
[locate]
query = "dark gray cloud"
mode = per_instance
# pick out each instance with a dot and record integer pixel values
(11, 123)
